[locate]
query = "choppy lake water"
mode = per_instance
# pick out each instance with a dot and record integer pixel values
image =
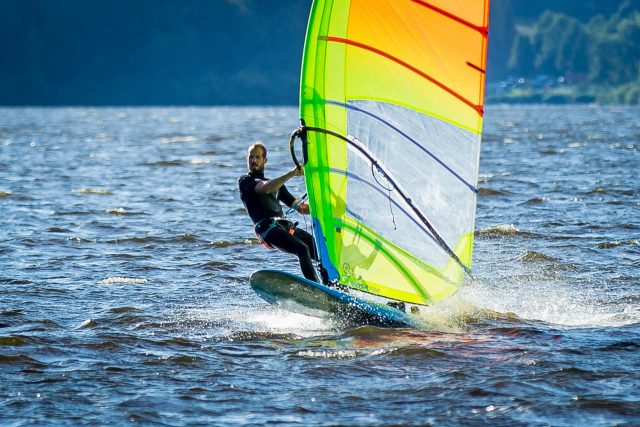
(125, 253)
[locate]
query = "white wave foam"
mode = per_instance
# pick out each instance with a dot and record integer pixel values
(221, 320)
(199, 161)
(98, 191)
(328, 354)
(116, 211)
(503, 229)
(553, 302)
(178, 139)
(116, 280)
(281, 321)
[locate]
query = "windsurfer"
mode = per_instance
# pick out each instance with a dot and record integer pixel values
(262, 196)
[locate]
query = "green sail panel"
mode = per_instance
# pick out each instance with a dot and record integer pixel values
(392, 96)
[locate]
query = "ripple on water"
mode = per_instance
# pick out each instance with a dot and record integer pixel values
(177, 139)
(220, 266)
(14, 281)
(532, 256)
(93, 191)
(250, 335)
(57, 230)
(15, 340)
(167, 163)
(536, 200)
(181, 238)
(88, 324)
(44, 325)
(122, 280)
(621, 346)
(618, 243)
(227, 243)
(327, 354)
(192, 343)
(484, 191)
(20, 360)
(504, 230)
(122, 211)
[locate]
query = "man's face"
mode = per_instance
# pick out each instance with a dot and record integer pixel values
(256, 160)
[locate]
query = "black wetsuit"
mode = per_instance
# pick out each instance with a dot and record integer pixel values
(264, 209)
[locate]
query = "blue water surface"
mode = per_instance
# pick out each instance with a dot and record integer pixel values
(124, 298)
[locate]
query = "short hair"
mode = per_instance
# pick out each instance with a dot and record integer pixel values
(258, 145)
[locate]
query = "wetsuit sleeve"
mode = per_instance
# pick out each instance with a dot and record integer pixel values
(247, 184)
(285, 197)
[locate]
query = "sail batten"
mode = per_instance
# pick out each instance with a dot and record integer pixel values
(392, 97)
(482, 30)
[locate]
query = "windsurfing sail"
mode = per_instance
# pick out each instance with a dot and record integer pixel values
(391, 98)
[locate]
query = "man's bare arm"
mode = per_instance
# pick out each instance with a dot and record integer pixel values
(264, 187)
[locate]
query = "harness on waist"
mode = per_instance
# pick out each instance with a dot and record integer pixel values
(264, 226)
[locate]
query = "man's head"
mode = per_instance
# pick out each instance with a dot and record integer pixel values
(256, 157)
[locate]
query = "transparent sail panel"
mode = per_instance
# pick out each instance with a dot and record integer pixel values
(435, 163)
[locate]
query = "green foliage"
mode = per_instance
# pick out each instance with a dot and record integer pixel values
(521, 54)
(560, 43)
(203, 52)
(624, 94)
(606, 51)
(150, 52)
(616, 54)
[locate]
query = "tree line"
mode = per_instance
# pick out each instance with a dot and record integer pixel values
(240, 52)
(601, 54)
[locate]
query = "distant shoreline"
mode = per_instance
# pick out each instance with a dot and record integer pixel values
(566, 95)
(625, 95)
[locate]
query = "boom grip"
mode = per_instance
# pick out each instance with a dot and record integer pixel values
(292, 142)
(300, 132)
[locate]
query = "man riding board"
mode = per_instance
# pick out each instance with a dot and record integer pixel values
(262, 196)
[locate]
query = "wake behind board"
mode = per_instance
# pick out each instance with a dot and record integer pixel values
(304, 296)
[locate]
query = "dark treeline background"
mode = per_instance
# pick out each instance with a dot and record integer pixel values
(593, 45)
(239, 52)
